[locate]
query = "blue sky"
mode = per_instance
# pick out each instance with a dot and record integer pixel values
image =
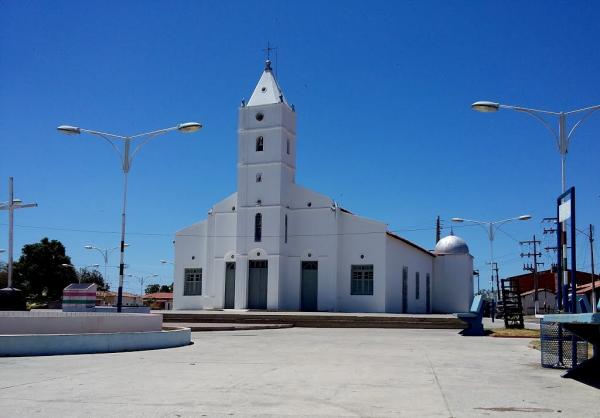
(382, 91)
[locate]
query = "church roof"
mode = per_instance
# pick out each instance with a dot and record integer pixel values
(412, 244)
(267, 91)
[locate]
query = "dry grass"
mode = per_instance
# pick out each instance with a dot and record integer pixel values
(515, 333)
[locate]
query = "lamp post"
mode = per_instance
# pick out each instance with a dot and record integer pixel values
(11, 206)
(105, 254)
(563, 136)
(490, 228)
(142, 279)
(126, 160)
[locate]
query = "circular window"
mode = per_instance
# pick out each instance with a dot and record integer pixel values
(259, 116)
(233, 208)
(264, 89)
(309, 255)
(232, 256)
(309, 204)
(258, 254)
(193, 257)
(362, 256)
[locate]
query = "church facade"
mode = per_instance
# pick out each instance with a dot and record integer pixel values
(276, 245)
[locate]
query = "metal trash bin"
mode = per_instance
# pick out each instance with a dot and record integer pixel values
(557, 347)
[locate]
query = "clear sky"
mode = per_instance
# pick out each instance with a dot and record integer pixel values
(382, 92)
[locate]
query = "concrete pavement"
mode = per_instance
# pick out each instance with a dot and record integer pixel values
(300, 372)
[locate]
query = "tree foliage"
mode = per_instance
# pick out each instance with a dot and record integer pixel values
(40, 272)
(166, 288)
(93, 276)
(3, 275)
(155, 288)
(152, 288)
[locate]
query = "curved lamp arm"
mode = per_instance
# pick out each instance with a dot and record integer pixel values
(590, 112)
(107, 138)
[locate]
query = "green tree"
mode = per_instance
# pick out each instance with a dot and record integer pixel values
(93, 276)
(40, 272)
(152, 288)
(3, 275)
(166, 288)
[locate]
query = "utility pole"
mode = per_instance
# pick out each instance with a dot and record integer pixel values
(594, 302)
(533, 268)
(438, 229)
(494, 267)
(554, 266)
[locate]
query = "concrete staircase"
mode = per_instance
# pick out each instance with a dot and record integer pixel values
(318, 320)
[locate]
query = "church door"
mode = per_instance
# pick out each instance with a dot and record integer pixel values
(309, 291)
(229, 285)
(257, 284)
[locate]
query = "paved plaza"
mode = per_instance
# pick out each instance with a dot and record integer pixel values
(300, 372)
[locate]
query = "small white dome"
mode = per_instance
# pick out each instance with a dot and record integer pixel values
(452, 245)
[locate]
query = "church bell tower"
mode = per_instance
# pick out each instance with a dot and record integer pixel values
(266, 145)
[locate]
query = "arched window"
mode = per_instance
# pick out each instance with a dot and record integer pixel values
(259, 143)
(286, 223)
(288, 146)
(257, 227)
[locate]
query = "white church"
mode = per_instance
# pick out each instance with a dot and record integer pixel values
(275, 245)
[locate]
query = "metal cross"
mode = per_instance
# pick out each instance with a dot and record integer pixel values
(268, 50)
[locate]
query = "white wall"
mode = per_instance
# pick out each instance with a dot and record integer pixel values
(453, 283)
(398, 255)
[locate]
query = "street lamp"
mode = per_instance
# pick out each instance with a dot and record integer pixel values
(562, 136)
(11, 205)
(142, 279)
(126, 160)
(491, 227)
(105, 254)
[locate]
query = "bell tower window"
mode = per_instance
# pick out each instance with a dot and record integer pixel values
(257, 227)
(259, 143)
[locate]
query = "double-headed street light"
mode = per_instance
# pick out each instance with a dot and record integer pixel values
(563, 135)
(490, 228)
(126, 159)
(105, 254)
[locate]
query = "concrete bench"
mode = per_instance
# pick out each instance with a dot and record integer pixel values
(473, 318)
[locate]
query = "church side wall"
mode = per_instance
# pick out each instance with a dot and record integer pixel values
(190, 252)
(398, 255)
(362, 242)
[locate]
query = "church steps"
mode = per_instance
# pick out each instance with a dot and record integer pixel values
(319, 320)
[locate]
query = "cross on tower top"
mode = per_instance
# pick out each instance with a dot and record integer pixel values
(268, 50)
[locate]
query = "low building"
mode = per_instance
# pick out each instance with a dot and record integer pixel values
(547, 280)
(546, 301)
(104, 298)
(159, 300)
(587, 289)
